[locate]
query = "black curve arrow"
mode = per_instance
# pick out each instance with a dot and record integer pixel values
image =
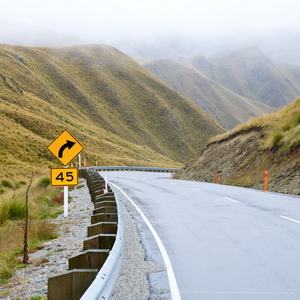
(68, 144)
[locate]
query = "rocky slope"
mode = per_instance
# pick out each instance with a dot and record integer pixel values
(241, 157)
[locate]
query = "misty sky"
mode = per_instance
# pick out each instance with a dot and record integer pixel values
(101, 21)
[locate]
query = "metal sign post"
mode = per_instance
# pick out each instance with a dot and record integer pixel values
(66, 198)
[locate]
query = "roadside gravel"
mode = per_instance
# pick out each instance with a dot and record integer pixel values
(133, 280)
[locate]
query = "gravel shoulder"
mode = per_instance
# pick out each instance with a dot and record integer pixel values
(133, 280)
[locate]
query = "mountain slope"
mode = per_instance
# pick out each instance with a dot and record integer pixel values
(250, 73)
(241, 156)
(120, 112)
(226, 107)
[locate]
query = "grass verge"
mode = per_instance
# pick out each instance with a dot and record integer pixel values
(44, 204)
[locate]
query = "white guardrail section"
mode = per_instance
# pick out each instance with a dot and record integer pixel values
(103, 285)
(120, 168)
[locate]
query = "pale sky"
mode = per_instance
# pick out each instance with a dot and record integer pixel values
(99, 21)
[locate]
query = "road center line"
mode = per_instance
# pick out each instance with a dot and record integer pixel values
(231, 200)
(290, 219)
(172, 279)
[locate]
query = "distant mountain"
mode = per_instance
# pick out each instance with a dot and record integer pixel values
(280, 44)
(270, 143)
(250, 73)
(226, 107)
(120, 112)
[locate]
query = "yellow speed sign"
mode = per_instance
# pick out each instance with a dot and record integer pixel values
(64, 176)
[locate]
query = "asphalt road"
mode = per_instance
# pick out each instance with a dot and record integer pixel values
(223, 242)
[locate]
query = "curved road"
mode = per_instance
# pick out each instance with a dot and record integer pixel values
(223, 242)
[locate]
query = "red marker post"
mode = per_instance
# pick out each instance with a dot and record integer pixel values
(217, 178)
(171, 175)
(84, 163)
(266, 180)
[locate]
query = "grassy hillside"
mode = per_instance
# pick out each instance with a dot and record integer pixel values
(121, 113)
(242, 155)
(226, 107)
(250, 73)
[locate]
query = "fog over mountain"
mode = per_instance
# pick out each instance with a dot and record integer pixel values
(157, 29)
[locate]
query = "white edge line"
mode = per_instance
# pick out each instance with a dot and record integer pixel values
(196, 189)
(172, 279)
(231, 199)
(290, 219)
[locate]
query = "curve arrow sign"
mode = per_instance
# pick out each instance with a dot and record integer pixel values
(68, 144)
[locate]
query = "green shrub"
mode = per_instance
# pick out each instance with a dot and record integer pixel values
(17, 209)
(7, 183)
(44, 182)
(4, 213)
(277, 138)
(286, 128)
(56, 214)
(5, 270)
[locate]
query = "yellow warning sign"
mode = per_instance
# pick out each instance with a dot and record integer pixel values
(64, 176)
(65, 147)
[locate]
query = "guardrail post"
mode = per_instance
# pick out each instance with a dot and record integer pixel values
(90, 259)
(70, 285)
(101, 241)
(102, 227)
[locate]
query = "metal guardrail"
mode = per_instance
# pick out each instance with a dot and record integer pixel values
(93, 273)
(103, 285)
(122, 168)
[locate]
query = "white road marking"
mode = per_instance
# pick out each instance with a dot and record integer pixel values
(172, 279)
(196, 189)
(290, 219)
(231, 200)
(241, 293)
(172, 183)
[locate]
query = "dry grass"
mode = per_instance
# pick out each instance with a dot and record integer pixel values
(228, 108)
(281, 129)
(121, 113)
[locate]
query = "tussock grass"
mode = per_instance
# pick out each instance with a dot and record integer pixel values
(280, 128)
(44, 182)
(228, 108)
(121, 113)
